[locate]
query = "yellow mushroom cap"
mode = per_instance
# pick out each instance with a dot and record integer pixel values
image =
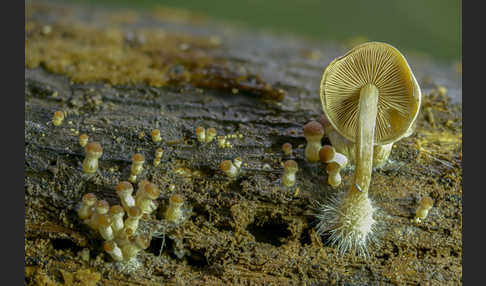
(200, 130)
(176, 199)
(134, 211)
(138, 158)
(151, 190)
(427, 202)
(102, 205)
(59, 115)
(93, 148)
(155, 132)
(291, 166)
(109, 245)
(83, 136)
(124, 187)
(142, 241)
(226, 165)
(332, 167)
(117, 210)
(103, 220)
(287, 147)
(211, 132)
(327, 153)
(89, 198)
(383, 66)
(312, 129)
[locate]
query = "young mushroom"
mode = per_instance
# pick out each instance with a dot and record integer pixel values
(336, 161)
(158, 155)
(57, 118)
(137, 166)
(288, 176)
(370, 97)
(83, 139)
(174, 212)
(156, 136)
(229, 168)
(87, 203)
(313, 133)
(287, 149)
(112, 248)
(422, 211)
(124, 191)
(93, 152)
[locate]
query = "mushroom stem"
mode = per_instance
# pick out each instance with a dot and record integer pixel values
(368, 108)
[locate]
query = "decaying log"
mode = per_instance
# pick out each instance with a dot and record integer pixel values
(118, 74)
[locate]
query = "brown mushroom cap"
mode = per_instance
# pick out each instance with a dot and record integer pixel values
(152, 191)
(327, 153)
(138, 158)
(312, 129)
(102, 205)
(134, 212)
(124, 187)
(117, 210)
(427, 202)
(109, 245)
(155, 132)
(383, 66)
(59, 115)
(103, 220)
(176, 199)
(226, 165)
(89, 198)
(93, 148)
(291, 166)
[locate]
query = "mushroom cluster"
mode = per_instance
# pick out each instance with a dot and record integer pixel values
(371, 99)
(122, 241)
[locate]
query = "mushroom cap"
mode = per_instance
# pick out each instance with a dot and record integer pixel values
(109, 245)
(83, 136)
(155, 132)
(93, 147)
(211, 131)
(427, 202)
(134, 211)
(89, 198)
(152, 191)
(383, 66)
(226, 165)
(176, 199)
(124, 187)
(104, 220)
(327, 153)
(59, 114)
(291, 166)
(117, 210)
(313, 128)
(138, 158)
(102, 205)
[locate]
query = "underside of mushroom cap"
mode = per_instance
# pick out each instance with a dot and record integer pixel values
(383, 66)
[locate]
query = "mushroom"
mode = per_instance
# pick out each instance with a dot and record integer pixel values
(370, 97)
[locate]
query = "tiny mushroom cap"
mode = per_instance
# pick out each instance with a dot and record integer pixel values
(109, 245)
(287, 148)
(123, 187)
(313, 129)
(103, 220)
(327, 153)
(158, 152)
(152, 191)
(142, 241)
(427, 202)
(291, 166)
(83, 136)
(134, 212)
(332, 167)
(138, 158)
(89, 198)
(211, 132)
(176, 199)
(93, 148)
(386, 68)
(102, 206)
(59, 115)
(226, 165)
(117, 210)
(155, 132)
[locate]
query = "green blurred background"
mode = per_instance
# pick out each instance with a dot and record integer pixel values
(431, 27)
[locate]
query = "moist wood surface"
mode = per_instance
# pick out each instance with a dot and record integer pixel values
(250, 230)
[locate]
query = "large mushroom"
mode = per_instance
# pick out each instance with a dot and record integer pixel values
(370, 97)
